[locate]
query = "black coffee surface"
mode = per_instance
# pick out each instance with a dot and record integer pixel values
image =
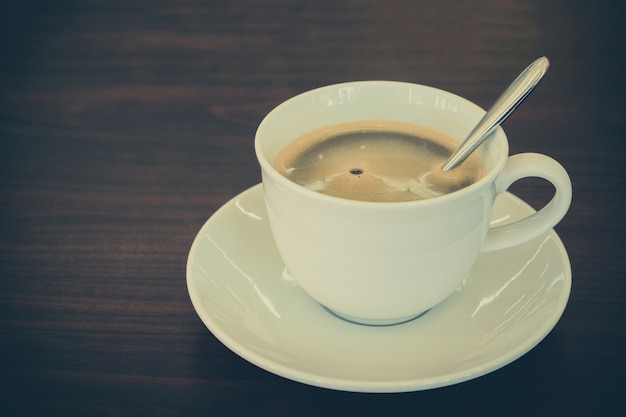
(376, 161)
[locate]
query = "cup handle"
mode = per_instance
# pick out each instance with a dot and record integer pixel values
(531, 165)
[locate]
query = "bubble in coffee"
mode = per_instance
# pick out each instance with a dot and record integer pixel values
(382, 161)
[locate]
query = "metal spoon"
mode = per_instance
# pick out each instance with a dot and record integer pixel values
(508, 101)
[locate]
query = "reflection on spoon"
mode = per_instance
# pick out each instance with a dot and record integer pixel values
(508, 101)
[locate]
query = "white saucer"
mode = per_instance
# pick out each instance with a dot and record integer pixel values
(240, 290)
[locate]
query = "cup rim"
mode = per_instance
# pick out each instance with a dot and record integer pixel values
(498, 138)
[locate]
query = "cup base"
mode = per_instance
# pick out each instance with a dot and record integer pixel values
(374, 322)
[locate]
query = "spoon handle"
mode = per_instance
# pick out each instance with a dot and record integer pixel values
(519, 89)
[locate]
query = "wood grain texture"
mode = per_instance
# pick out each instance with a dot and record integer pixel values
(125, 124)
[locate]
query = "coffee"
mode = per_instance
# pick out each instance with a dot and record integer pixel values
(376, 161)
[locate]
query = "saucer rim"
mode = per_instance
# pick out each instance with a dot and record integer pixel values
(386, 386)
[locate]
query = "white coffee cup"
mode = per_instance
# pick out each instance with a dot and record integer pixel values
(386, 263)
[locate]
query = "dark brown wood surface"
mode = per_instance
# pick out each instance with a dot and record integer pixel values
(125, 124)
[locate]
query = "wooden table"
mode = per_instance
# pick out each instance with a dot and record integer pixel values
(126, 124)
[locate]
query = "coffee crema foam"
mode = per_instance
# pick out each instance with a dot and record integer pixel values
(376, 160)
